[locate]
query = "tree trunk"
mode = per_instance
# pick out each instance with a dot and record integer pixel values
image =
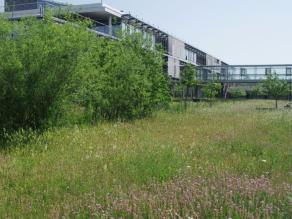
(182, 99)
(276, 103)
(225, 88)
(192, 93)
(186, 97)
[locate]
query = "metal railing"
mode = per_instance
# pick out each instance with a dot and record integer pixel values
(39, 8)
(19, 10)
(22, 10)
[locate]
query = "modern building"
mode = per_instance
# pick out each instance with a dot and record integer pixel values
(108, 21)
(19, 5)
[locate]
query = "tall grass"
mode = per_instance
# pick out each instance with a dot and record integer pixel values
(226, 161)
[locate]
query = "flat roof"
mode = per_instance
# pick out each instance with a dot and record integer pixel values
(130, 18)
(96, 9)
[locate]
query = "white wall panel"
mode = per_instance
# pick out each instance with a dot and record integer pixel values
(176, 48)
(173, 67)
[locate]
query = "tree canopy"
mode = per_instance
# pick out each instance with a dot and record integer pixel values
(211, 90)
(188, 76)
(275, 87)
(50, 72)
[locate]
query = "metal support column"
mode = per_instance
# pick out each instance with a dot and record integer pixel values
(110, 25)
(290, 85)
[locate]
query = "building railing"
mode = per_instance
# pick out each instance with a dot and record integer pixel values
(38, 9)
(22, 10)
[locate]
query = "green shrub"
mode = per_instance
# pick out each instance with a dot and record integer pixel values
(236, 92)
(128, 82)
(211, 90)
(256, 91)
(37, 62)
(53, 74)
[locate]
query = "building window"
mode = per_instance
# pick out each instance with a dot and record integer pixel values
(243, 71)
(191, 56)
(288, 71)
(224, 71)
(268, 71)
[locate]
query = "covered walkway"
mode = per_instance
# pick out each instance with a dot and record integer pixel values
(243, 73)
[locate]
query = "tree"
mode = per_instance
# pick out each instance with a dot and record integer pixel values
(188, 79)
(38, 59)
(275, 87)
(211, 90)
(48, 70)
(127, 83)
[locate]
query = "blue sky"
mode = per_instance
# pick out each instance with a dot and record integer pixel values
(237, 31)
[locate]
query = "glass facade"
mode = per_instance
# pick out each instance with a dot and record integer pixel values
(191, 56)
(242, 71)
(268, 71)
(243, 74)
(288, 71)
(200, 58)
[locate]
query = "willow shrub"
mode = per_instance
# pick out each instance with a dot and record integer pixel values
(52, 73)
(123, 80)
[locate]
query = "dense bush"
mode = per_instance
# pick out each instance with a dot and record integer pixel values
(236, 92)
(211, 90)
(37, 60)
(50, 72)
(256, 92)
(126, 83)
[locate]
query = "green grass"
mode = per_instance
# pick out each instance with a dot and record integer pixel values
(65, 172)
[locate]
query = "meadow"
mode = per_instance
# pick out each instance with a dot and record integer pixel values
(225, 161)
